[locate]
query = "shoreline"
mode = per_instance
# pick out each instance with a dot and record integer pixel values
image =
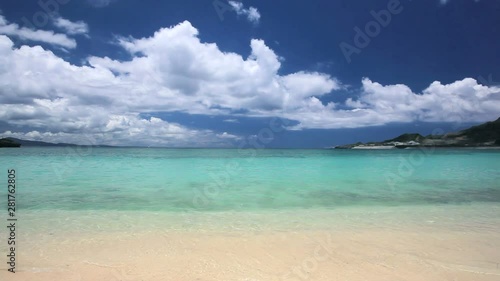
(386, 147)
(385, 254)
(436, 242)
(349, 218)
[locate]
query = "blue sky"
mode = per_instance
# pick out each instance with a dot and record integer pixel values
(219, 73)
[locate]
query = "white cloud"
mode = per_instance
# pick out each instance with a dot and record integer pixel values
(78, 27)
(226, 135)
(203, 79)
(444, 2)
(461, 101)
(45, 36)
(252, 14)
(174, 71)
(100, 3)
(303, 85)
(132, 130)
(458, 102)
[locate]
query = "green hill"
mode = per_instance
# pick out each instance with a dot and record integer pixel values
(26, 143)
(487, 132)
(484, 135)
(9, 143)
(407, 138)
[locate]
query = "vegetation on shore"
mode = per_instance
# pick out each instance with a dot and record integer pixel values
(484, 135)
(13, 142)
(5, 142)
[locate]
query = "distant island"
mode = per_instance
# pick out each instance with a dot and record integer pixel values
(13, 142)
(484, 135)
(9, 143)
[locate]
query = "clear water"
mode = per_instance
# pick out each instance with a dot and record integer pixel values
(208, 180)
(124, 207)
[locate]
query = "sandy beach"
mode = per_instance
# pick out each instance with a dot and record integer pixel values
(234, 140)
(354, 247)
(367, 255)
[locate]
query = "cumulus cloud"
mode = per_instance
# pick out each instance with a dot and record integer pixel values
(23, 33)
(252, 14)
(199, 78)
(172, 70)
(461, 101)
(73, 28)
(458, 102)
(132, 130)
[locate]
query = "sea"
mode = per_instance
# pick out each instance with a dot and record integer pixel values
(126, 189)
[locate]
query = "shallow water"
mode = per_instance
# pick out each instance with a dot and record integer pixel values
(180, 180)
(221, 214)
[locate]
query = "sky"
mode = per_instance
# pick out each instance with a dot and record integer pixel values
(261, 74)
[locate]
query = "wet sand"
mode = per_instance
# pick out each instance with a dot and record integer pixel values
(375, 248)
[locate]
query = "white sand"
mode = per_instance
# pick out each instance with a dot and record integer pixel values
(405, 254)
(375, 147)
(455, 243)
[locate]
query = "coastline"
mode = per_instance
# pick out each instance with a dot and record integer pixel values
(383, 147)
(405, 254)
(129, 215)
(438, 242)
(376, 147)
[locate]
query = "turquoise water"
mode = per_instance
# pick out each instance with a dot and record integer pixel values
(147, 179)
